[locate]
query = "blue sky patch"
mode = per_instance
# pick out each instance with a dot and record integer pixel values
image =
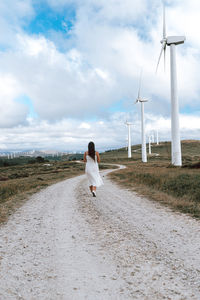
(188, 110)
(46, 20)
(27, 101)
(117, 107)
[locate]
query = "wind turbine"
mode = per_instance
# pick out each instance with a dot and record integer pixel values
(150, 144)
(129, 138)
(152, 136)
(142, 101)
(157, 137)
(173, 41)
(127, 143)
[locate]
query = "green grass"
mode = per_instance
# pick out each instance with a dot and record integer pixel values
(184, 185)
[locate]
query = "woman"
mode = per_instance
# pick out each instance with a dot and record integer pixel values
(91, 158)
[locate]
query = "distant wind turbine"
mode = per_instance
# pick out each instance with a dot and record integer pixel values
(142, 100)
(150, 144)
(173, 41)
(127, 143)
(157, 137)
(152, 137)
(129, 138)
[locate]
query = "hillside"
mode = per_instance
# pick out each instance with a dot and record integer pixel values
(190, 152)
(177, 187)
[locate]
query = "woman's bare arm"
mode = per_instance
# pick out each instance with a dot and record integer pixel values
(98, 157)
(85, 159)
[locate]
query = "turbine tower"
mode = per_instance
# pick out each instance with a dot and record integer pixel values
(129, 138)
(150, 144)
(127, 143)
(173, 41)
(157, 137)
(142, 101)
(152, 137)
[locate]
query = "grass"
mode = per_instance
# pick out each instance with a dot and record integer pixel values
(17, 182)
(22, 178)
(177, 187)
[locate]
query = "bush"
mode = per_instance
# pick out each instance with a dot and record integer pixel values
(40, 159)
(183, 185)
(18, 175)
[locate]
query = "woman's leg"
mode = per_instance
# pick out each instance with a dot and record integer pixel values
(94, 191)
(91, 188)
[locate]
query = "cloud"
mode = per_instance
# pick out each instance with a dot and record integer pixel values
(104, 50)
(84, 126)
(13, 16)
(102, 67)
(59, 84)
(12, 112)
(74, 135)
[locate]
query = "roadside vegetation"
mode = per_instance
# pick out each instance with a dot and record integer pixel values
(177, 187)
(21, 177)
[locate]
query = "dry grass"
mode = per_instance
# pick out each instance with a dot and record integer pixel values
(179, 188)
(173, 187)
(19, 182)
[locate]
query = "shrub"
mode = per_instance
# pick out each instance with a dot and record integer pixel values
(184, 184)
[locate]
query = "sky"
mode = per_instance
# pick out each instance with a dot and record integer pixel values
(69, 72)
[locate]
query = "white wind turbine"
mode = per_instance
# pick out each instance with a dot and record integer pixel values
(129, 138)
(142, 100)
(157, 141)
(127, 143)
(173, 41)
(150, 144)
(152, 137)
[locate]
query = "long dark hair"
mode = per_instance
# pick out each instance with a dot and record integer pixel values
(91, 150)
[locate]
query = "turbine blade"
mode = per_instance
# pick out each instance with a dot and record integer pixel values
(159, 59)
(164, 23)
(139, 90)
(164, 58)
(163, 47)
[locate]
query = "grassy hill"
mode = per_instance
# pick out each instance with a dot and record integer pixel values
(177, 187)
(190, 152)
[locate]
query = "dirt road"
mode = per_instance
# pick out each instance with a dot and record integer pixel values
(64, 244)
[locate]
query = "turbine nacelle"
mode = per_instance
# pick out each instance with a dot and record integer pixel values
(176, 40)
(128, 123)
(141, 100)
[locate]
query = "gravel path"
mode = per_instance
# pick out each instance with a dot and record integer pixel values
(64, 244)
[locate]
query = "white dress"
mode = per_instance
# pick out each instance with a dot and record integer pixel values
(92, 171)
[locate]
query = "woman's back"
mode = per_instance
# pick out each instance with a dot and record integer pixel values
(91, 164)
(90, 159)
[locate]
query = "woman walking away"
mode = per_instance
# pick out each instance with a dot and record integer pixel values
(92, 158)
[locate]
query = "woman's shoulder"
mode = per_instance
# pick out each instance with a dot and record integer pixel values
(96, 152)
